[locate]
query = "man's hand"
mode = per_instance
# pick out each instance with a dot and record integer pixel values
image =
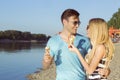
(104, 72)
(47, 59)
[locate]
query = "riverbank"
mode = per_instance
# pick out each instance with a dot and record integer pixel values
(50, 73)
(23, 41)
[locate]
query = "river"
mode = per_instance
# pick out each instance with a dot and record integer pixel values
(17, 60)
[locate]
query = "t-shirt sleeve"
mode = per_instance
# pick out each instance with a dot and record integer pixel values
(88, 47)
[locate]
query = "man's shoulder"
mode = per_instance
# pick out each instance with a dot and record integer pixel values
(82, 37)
(54, 38)
(54, 42)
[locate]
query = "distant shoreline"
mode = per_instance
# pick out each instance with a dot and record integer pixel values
(23, 41)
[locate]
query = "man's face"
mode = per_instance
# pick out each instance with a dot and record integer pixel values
(72, 24)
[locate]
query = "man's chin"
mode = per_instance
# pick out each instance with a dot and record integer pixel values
(74, 33)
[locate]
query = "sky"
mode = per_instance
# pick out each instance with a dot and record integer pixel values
(43, 16)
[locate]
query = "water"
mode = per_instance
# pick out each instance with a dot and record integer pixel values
(17, 60)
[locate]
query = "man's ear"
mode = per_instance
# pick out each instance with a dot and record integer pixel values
(64, 21)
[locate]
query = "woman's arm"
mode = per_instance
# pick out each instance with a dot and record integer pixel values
(90, 68)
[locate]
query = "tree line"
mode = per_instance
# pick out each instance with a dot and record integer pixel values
(115, 20)
(18, 35)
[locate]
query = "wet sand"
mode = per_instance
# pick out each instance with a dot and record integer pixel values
(50, 74)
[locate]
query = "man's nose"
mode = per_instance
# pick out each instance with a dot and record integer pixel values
(77, 25)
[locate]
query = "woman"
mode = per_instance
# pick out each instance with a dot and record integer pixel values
(102, 49)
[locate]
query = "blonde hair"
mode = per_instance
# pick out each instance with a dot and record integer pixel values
(99, 35)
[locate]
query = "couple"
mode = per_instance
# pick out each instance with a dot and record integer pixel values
(74, 61)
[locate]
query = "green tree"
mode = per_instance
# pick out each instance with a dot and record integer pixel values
(1, 35)
(12, 34)
(26, 35)
(18, 35)
(115, 20)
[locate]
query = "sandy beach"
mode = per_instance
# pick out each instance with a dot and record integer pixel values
(115, 64)
(50, 74)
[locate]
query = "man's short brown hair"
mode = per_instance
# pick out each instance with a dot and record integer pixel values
(68, 13)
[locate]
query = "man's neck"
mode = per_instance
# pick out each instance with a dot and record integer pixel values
(65, 35)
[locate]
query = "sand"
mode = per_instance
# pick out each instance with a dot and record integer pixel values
(115, 64)
(50, 74)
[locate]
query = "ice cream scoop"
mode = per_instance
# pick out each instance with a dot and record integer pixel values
(47, 48)
(71, 39)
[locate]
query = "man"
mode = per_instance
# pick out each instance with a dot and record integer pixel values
(68, 66)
